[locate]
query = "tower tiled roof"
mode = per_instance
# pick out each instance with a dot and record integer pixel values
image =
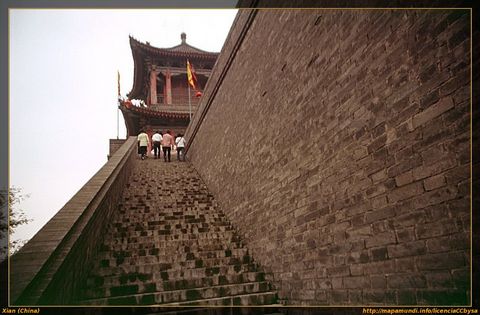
(186, 48)
(183, 49)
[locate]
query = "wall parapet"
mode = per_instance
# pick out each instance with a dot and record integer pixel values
(237, 33)
(115, 144)
(48, 269)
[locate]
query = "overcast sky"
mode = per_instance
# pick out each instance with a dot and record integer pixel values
(63, 91)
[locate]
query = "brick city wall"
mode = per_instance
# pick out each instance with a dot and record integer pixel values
(50, 268)
(338, 143)
(115, 144)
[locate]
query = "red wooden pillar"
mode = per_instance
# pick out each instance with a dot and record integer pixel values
(168, 86)
(153, 86)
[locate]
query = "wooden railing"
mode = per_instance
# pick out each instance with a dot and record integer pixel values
(183, 108)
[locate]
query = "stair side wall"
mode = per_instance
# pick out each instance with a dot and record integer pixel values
(338, 143)
(50, 267)
(114, 145)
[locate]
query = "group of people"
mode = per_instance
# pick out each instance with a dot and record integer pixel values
(161, 142)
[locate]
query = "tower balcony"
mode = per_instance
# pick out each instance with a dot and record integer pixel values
(180, 103)
(174, 108)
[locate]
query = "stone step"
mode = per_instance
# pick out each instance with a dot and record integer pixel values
(162, 196)
(180, 221)
(166, 229)
(225, 259)
(116, 258)
(176, 273)
(150, 190)
(187, 246)
(162, 286)
(228, 236)
(147, 223)
(264, 298)
(144, 188)
(209, 218)
(197, 296)
(137, 213)
(172, 254)
(159, 267)
(167, 203)
(144, 223)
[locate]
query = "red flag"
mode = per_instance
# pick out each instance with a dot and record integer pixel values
(192, 78)
(118, 80)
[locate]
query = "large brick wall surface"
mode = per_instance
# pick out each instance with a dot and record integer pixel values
(338, 143)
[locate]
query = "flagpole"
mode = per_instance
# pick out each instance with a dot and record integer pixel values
(189, 103)
(118, 99)
(117, 118)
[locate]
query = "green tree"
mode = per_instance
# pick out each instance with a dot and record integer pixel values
(16, 217)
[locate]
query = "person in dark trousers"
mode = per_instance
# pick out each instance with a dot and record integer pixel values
(143, 142)
(157, 139)
(180, 143)
(167, 144)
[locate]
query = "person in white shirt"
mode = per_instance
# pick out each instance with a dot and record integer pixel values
(157, 139)
(180, 143)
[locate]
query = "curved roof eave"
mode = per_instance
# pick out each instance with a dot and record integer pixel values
(155, 113)
(182, 50)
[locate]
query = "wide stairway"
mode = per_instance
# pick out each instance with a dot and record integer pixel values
(170, 245)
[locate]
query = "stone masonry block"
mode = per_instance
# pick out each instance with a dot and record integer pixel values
(436, 196)
(407, 249)
(404, 179)
(379, 253)
(359, 232)
(448, 243)
(448, 261)
(433, 111)
(405, 192)
(434, 182)
(405, 235)
(356, 270)
(406, 297)
(361, 282)
(406, 281)
(381, 239)
(381, 214)
(378, 281)
(440, 279)
(338, 271)
(405, 265)
(379, 202)
(433, 154)
(435, 229)
(379, 176)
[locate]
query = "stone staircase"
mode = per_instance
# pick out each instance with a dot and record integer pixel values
(170, 245)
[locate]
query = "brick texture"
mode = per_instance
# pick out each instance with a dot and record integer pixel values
(337, 142)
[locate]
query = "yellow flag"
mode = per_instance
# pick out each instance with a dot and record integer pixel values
(192, 79)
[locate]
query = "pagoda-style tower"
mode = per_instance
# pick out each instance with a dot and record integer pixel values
(160, 82)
